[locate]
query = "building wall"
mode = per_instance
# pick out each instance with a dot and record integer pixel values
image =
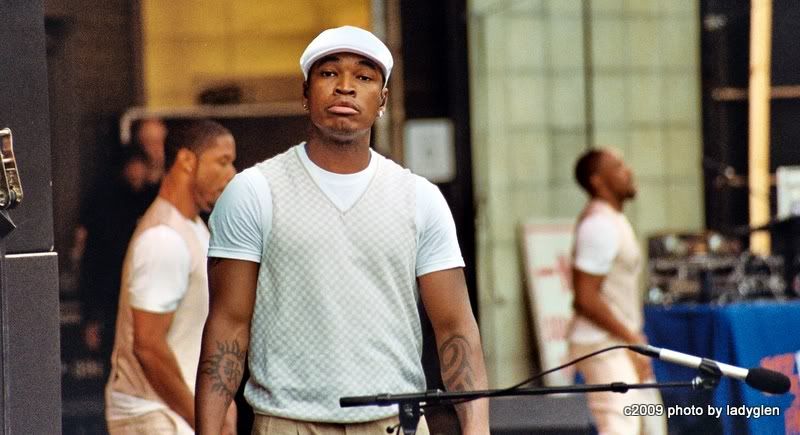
(186, 42)
(91, 75)
(529, 126)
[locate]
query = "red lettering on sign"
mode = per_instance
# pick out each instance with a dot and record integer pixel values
(555, 328)
(785, 363)
(562, 268)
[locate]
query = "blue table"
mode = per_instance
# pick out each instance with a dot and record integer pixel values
(744, 334)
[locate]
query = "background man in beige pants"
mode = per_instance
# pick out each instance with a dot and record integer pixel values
(608, 304)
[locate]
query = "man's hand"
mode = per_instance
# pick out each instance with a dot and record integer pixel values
(642, 365)
(641, 362)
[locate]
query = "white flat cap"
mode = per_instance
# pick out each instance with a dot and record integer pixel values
(351, 40)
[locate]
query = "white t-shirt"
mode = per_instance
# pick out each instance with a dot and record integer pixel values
(160, 270)
(247, 201)
(596, 244)
(161, 267)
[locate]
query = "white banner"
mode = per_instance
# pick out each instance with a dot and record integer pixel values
(547, 247)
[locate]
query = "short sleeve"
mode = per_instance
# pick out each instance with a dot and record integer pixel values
(596, 244)
(437, 242)
(161, 264)
(241, 218)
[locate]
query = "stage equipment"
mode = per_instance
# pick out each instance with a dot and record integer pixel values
(411, 404)
(10, 186)
(761, 379)
(709, 267)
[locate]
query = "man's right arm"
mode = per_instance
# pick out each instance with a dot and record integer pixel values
(591, 305)
(226, 338)
(596, 246)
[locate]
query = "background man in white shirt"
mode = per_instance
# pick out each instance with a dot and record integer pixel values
(164, 291)
(317, 261)
(608, 303)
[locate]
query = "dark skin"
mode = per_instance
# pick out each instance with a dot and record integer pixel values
(613, 183)
(344, 94)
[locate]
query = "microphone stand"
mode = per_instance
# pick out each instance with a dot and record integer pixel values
(410, 404)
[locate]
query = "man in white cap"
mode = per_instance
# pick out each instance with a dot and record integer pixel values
(318, 259)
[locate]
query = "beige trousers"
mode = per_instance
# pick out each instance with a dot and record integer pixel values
(269, 425)
(607, 407)
(163, 422)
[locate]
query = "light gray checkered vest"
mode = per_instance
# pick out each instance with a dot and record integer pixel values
(336, 306)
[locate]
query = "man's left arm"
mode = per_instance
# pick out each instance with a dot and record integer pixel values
(446, 300)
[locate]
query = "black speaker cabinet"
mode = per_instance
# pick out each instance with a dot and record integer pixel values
(30, 400)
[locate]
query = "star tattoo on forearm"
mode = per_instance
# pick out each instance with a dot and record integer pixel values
(225, 368)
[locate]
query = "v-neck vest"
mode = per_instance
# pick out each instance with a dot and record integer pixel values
(185, 331)
(336, 304)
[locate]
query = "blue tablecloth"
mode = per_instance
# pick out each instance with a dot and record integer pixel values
(745, 334)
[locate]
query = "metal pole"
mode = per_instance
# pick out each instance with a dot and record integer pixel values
(588, 73)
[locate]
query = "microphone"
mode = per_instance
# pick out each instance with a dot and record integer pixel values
(761, 379)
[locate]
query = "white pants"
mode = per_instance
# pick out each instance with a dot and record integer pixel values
(161, 422)
(607, 407)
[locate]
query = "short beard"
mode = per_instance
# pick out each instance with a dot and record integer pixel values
(340, 138)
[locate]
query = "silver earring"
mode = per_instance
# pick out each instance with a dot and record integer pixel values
(380, 113)
(305, 107)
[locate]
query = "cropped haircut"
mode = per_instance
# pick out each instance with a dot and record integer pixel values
(195, 135)
(586, 166)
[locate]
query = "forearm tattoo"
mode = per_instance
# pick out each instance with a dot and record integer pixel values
(225, 368)
(455, 354)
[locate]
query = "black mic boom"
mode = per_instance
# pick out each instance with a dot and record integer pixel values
(761, 379)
